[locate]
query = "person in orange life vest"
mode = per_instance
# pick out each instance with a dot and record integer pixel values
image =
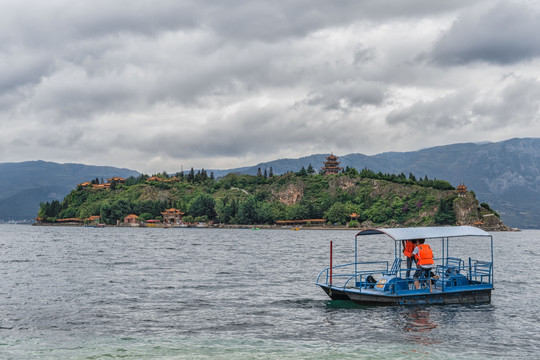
(424, 262)
(408, 248)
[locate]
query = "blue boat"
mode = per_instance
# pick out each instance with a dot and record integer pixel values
(462, 274)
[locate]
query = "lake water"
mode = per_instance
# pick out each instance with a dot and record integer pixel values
(122, 293)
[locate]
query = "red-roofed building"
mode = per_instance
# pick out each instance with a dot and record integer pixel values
(131, 219)
(172, 216)
(93, 219)
(117, 179)
(102, 186)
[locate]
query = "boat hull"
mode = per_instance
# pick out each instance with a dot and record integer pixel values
(335, 294)
(439, 298)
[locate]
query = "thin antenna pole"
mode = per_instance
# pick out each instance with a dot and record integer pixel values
(330, 262)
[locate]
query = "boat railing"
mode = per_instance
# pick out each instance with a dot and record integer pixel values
(477, 271)
(480, 272)
(449, 265)
(453, 272)
(342, 274)
(447, 274)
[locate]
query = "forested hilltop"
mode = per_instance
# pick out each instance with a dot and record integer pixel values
(352, 198)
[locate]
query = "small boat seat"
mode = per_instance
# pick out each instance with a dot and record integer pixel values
(480, 270)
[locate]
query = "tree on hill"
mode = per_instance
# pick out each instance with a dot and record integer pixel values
(247, 211)
(203, 205)
(191, 175)
(445, 213)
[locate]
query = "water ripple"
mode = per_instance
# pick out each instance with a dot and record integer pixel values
(78, 293)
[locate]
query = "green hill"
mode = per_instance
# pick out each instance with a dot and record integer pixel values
(377, 199)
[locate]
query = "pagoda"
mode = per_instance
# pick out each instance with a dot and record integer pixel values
(331, 165)
(461, 189)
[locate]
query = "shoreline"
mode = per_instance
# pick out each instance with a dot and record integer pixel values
(249, 227)
(216, 226)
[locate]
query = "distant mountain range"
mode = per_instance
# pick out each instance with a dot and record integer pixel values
(505, 174)
(24, 185)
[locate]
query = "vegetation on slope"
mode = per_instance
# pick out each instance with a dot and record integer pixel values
(381, 199)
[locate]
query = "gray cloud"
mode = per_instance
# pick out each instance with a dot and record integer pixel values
(503, 34)
(516, 104)
(447, 112)
(347, 95)
(222, 84)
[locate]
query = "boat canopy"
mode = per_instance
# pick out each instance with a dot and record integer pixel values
(399, 234)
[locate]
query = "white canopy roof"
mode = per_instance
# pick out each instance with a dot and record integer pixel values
(426, 232)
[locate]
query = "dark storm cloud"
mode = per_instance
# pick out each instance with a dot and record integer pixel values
(506, 33)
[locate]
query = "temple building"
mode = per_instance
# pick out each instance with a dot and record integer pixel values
(172, 216)
(461, 189)
(131, 219)
(331, 165)
(117, 179)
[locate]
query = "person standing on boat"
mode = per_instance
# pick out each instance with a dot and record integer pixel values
(424, 262)
(408, 248)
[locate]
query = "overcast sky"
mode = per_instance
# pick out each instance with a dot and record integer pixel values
(159, 85)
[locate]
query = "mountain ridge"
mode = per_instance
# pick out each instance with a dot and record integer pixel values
(505, 174)
(24, 185)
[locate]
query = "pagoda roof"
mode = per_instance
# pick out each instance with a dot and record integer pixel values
(172, 211)
(117, 179)
(461, 188)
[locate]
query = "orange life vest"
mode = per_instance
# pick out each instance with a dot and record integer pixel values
(408, 249)
(425, 255)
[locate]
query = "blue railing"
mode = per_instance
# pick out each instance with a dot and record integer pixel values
(450, 272)
(480, 270)
(352, 274)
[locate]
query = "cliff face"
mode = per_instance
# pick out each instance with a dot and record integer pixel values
(466, 209)
(466, 206)
(468, 212)
(289, 195)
